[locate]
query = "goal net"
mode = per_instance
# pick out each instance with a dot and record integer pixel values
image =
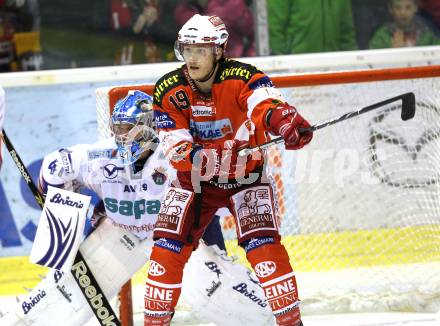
(360, 205)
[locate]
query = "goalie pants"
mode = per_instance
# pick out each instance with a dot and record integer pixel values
(182, 220)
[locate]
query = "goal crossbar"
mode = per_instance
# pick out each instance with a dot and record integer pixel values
(322, 78)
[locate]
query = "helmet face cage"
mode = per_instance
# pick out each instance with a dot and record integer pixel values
(132, 126)
(202, 30)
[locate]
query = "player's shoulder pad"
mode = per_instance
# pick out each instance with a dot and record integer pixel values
(159, 153)
(63, 164)
(103, 149)
(233, 69)
(167, 82)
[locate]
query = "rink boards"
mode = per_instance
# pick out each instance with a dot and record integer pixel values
(17, 273)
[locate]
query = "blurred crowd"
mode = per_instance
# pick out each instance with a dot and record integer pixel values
(19, 35)
(50, 34)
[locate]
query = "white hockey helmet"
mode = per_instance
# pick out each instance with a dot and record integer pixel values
(201, 30)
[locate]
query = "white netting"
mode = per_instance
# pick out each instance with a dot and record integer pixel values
(103, 112)
(360, 206)
(364, 200)
(372, 171)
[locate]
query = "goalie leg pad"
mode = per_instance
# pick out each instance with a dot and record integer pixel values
(222, 291)
(270, 262)
(112, 254)
(164, 283)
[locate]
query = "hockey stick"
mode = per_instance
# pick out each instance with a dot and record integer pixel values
(24, 172)
(80, 269)
(408, 112)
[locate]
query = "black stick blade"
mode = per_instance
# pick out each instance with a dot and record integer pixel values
(408, 106)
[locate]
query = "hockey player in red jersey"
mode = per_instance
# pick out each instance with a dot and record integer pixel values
(206, 111)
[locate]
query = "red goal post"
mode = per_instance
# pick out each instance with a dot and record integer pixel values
(363, 228)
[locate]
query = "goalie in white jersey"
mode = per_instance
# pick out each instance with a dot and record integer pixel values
(130, 175)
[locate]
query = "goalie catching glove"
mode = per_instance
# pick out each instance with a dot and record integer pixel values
(285, 121)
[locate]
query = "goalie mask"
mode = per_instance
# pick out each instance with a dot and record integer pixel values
(132, 126)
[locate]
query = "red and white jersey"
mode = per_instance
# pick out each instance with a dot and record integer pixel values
(240, 97)
(131, 198)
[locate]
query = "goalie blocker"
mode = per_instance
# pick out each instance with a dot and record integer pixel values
(60, 229)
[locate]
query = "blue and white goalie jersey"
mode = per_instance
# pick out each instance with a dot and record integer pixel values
(131, 198)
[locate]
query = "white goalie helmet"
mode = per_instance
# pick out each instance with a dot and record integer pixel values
(201, 30)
